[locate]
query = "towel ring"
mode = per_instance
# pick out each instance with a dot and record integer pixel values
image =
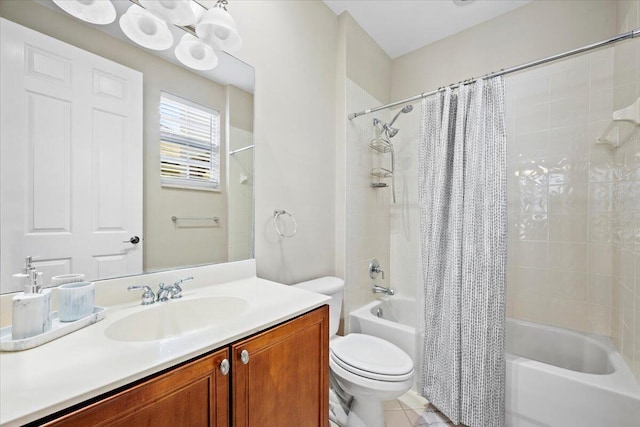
(276, 214)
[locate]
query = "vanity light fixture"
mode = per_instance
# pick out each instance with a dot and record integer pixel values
(195, 54)
(146, 29)
(218, 29)
(146, 23)
(176, 12)
(99, 12)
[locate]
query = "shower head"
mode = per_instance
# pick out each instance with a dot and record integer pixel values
(387, 128)
(391, 131)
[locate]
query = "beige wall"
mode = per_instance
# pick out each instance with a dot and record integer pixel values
(240, 109)
(165, 245)
(362, 214)
(292, 45)
(240, 180)
(367, 64)
(539, 29)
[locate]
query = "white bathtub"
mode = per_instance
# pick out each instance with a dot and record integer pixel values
(555, 377)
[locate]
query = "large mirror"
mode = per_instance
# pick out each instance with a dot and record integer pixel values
(65, 167)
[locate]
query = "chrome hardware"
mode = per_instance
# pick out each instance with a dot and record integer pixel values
(276, 215)
(176, 291)
(134, 240)
(374, 269)
(164, 292)
(379, 312)
(224, 367)
(148, 297)
(382, 290)
(244, 356)
(195, 218)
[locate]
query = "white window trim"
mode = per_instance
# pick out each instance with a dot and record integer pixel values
(186, 183)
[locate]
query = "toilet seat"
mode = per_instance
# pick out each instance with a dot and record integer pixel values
(371, 357)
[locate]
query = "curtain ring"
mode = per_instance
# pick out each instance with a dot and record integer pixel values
(276, 215)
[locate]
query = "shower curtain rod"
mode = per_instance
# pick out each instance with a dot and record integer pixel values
(624, 36)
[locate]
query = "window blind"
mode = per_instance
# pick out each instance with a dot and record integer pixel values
(189, 144)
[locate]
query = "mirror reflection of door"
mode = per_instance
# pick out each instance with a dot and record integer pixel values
(71, 159)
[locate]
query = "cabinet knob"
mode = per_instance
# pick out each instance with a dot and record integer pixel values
(224, 367)
(244, 356)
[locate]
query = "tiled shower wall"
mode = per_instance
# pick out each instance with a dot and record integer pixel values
(624, 187)
(560, 251)
(405, 226)
(367, 208)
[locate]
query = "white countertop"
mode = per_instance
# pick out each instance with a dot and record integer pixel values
(41, 381)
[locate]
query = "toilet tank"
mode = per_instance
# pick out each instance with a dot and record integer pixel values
(331, 287)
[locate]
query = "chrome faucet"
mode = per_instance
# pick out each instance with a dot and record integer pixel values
(164, 292)
(173, 291)
(382, 290)
(148, 297)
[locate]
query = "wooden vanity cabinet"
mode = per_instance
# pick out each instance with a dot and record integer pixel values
(195, 394)
(279, 378)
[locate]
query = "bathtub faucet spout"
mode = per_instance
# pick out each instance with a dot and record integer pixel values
(382, 290)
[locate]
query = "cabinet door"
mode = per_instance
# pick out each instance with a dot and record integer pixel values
(285, 381)
(196, 394)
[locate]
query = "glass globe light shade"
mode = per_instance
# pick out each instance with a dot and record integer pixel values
(146, 29)
(218, 29)
(101, 12)
(177, 12)
(195, 54)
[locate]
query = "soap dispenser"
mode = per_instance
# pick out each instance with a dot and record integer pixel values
(22, 280)
(31, 314)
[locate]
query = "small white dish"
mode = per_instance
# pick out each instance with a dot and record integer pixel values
(75, 300)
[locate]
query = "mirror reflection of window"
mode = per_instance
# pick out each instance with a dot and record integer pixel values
(189, 144)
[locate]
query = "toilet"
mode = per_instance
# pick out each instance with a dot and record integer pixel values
(368, 368)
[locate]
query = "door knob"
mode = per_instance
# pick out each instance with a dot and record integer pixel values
(224, 367)
(244, 356)
(134, 240)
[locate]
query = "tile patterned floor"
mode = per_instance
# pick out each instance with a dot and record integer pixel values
(412, 410)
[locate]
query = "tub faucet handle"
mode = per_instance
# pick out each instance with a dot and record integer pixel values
(374, 269)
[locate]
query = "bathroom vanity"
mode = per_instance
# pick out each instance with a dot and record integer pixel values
(286, 365)
(263, 363)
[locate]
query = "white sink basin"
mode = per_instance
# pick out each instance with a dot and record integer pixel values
(173, 318)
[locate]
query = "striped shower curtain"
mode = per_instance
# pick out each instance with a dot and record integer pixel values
(463, 226)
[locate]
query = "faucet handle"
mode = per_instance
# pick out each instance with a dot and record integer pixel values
(374, 269)
(177, 289)
(148, 297)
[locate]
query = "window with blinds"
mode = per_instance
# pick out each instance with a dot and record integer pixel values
(189, 144)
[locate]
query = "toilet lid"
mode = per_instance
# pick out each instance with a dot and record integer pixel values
(371, 357)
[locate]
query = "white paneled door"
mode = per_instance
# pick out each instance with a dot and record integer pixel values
(70, 159)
